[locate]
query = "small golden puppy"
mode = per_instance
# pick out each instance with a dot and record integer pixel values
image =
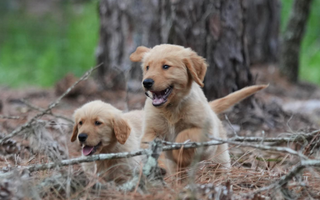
(101, 128)
(177, 109)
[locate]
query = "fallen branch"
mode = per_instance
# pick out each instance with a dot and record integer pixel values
(286, 178)
(51, 165)
(172, 146)
(216, 141)
(42, 109)
(74, 161)
(293, 138)
(266, 147)
(49, 108)
(9, 117)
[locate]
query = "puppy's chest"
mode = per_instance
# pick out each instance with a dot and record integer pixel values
(174, 129)
(114, 169)
(172, 133)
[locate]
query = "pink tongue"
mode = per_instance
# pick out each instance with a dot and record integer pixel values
(158, 99)
(87, 150)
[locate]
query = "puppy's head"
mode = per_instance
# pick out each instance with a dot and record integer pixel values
(168, 71)
(99, 125)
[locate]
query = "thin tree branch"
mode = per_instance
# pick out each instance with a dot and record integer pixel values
(42, 109)
(292, 173)
(47, 110)
(220, 141)
(31, 106)
(74, 161)
(267, 148)
(9, 117)
(169, 147)
(293, 138)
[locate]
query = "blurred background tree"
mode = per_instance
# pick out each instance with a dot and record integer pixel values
(262, 18)
(42, 40)
(292, 38)
(309, 58)
(227, 33)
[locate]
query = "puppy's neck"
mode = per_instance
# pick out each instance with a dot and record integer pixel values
(111, 148)
(174, 111)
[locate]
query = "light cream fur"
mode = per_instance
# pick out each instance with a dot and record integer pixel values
(224, 103)
(191, 120)
(118, 132)
(186, 115)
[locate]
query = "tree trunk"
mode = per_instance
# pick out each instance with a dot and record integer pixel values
(262, 30)
(124, 25)
(290, 54)
(215, 29)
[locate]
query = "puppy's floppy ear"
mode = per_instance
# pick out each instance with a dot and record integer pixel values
(138, 54)
(121, 129)
(197, 67)
(74, 132)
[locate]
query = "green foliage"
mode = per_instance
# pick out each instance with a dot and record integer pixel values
(40, 49)
(310, 52)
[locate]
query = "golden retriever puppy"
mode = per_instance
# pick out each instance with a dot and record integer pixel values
(177, 109)
(101, 128)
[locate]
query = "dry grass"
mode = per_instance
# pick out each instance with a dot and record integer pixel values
(255, 173)
(251, 170)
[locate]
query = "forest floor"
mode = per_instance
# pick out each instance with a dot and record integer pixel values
(281, 110)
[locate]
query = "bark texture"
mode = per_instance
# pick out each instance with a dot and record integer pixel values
(124, 25)
(290, 54)
(215, 29)
(262, 20)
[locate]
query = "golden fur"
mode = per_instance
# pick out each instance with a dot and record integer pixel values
(223, 104)
(185, 114)
(134, 123)
(117, 132)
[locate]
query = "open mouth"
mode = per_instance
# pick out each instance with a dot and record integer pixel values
(161, 97)
(89, 150)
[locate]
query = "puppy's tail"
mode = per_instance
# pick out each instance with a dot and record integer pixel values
(222, 104)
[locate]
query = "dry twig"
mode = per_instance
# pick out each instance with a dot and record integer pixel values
(171, 146)
(49, 108)
(42, 109)
(9, 117)
(266, 147)
(286, 178)
(73, 161)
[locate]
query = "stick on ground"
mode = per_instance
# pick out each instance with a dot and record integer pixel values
(49, 108)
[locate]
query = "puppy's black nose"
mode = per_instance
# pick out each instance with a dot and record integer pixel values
(82, 137)
(147, 83)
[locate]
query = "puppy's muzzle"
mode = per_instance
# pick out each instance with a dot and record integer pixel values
(82, 137)
(148, 83)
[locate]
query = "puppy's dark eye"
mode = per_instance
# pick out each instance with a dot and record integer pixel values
(165, 67)
(80, 123)
(97, 123)
(147, 68)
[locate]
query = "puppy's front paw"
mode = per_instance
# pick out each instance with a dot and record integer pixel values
(183, 157)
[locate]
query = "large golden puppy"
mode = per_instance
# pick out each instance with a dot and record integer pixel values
(177, 109)
(101, 128)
